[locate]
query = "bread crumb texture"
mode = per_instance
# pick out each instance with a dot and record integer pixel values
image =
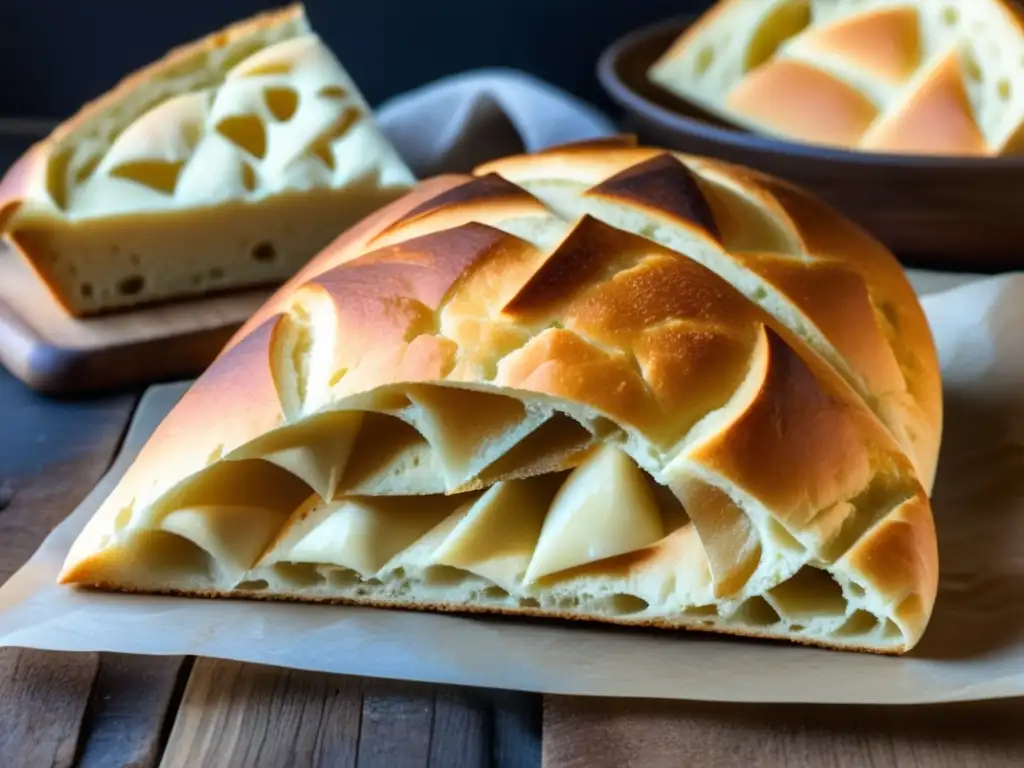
(601, 382)
(229, 163)
(932, 77)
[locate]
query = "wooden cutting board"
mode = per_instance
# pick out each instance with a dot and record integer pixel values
(57, 354)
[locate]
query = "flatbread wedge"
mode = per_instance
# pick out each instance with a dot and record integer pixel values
(601, 382)
(227, 164)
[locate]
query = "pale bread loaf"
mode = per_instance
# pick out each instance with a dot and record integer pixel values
(936, 77)
(600, 382)
(228, 163)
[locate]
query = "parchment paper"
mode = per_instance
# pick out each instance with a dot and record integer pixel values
(973, 649)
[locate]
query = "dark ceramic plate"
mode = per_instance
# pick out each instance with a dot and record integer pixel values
(939, 212)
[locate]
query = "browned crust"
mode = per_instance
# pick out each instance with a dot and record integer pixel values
(581, 257)
(795, 99)
(212, 41)
(663, 186)
(348, 245)
(617, 141)
(476, 190)
(600, 335)
(469, 609)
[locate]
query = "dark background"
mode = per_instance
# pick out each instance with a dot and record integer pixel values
(55, 54)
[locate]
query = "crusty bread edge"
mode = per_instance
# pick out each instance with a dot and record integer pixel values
(469, 610)
(348, 244)
(17, 181)
(211, 41)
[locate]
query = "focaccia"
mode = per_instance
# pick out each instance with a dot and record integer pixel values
(937, 77)
(227, 164)
(600, 382)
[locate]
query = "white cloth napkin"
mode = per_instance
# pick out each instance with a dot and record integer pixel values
(455, 123)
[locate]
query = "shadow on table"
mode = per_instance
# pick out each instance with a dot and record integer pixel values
(979, 515)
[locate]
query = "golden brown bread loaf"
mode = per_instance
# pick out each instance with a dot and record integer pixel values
(937, 77)
(229, 163)
(601, 382)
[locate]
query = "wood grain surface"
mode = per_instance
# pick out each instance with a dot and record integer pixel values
(579, 733)
(114, 711)
(55, 353)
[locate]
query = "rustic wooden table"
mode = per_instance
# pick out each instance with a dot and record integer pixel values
(109, 710)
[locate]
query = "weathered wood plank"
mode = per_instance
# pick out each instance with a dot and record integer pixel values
(517, 729)
(241, 715)
(51, 454)
(43, 696)
(461, 731)
(582, 732)
(396, 727)
(236, 715)
(128, 710)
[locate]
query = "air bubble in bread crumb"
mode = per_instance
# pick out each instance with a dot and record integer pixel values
(246, 132)
(299, 574)
(756, 611)
(255, 585)
(131, 286)
(702, 610)
(249, 180)
(442, 575)
(332, 92)
(264, 252)
(859, 623)
(342, 577)
(623, 604)
(705, 59)
(282, 102)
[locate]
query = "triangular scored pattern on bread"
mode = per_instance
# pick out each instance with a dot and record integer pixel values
(938, 77)
(599, 382)
(229, 162)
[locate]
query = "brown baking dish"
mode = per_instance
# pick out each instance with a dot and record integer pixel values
(941, 212)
